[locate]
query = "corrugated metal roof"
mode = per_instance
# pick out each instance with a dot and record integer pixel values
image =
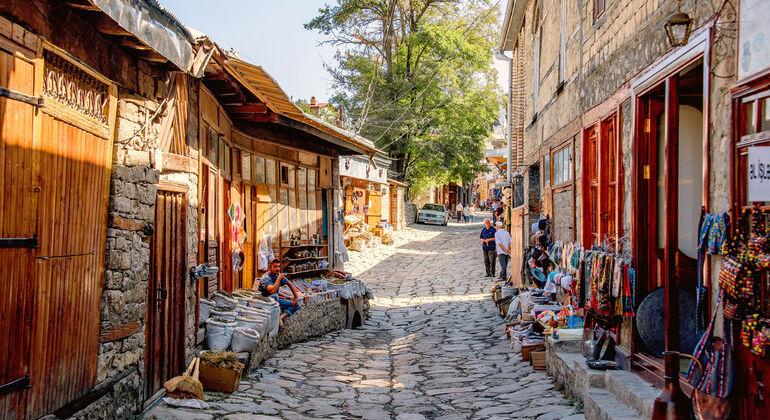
(269, 91)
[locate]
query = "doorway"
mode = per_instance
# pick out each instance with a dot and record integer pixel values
(669, 167)
(164, 333)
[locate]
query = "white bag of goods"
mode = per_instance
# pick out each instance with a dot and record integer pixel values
(228, 315)
(244, 339)
(253, 322)
(205, 307)
(275, 313)
(222, 299)
(219, 334)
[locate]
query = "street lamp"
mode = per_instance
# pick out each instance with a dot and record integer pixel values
(678, 28)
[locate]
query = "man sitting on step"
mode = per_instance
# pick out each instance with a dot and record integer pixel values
(272, 281)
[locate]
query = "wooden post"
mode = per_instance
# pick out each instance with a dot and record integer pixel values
(671, 280)
(672, 403)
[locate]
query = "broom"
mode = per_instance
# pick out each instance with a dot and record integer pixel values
(187, 385)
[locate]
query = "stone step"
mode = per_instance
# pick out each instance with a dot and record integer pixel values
(600, 404)
(632, 391)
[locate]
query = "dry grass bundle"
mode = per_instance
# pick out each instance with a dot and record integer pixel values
(223, 359)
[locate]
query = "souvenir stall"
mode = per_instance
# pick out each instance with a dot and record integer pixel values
(362, 180)
(744, 278)
(548, 304)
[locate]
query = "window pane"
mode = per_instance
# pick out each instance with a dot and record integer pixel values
(259, 169)
(311, 180)
(283, 214)
(547, 170)
(228, 156)
(213, 146)
(764, 118)
(273, 211)
(311, 213)
(748, 118)
(567, 164)
(303, 215)
(246, 166)
(301, 178)
(270, 172)
(293, 212)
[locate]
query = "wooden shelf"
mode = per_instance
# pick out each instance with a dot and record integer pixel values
(307, 271)
(302, 246)
(303, 259)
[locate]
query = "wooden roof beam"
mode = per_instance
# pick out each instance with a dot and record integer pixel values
(107, 26)
(86, 7)
(255, 108)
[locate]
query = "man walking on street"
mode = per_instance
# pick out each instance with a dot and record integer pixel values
(459, 211)
(471, 212)
(503, 241)
(487, 239)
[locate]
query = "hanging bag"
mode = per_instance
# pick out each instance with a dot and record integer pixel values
(712, 381)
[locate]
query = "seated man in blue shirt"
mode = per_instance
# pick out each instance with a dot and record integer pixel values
(272, 281)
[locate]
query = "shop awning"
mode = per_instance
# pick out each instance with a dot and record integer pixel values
(144, 26)
(281, 110)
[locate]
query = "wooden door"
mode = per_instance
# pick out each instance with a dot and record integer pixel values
(55, 173)
(18, 221)
(164, 332)
(375, 208)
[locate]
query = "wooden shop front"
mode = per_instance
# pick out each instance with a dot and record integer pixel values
(265, 177)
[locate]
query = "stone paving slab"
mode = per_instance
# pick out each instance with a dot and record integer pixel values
(432, 348)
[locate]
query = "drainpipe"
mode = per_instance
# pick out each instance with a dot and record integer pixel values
(500, 56)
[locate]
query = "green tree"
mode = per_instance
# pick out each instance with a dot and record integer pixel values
(415, 76)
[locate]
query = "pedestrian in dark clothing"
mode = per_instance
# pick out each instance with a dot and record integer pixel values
(487, 239)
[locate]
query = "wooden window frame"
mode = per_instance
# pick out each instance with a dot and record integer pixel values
(599, 12)
(754, 92)
(571, 163)
(598, 186)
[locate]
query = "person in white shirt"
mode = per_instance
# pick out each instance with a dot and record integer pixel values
(503, 246)
(467, 213)
(459, 211)
(471, 212)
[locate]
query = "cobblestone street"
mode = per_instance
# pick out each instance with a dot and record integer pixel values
(432, 348)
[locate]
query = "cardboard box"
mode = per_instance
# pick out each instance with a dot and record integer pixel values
(220, 379)
(537, 358)
(527, 349)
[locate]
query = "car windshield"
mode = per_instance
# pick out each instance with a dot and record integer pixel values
(434, 207)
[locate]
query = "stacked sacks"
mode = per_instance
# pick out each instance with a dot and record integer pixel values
(205, 307)
(219, 333)
(244, 339)
(272, 307)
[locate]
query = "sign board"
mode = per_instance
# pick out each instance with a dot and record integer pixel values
(753, 37)
(758, 174)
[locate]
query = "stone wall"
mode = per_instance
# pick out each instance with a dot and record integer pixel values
(410, 213)
(312, 320)
(133, 189)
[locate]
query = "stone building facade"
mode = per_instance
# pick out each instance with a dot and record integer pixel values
(587, 89)
(112, 99)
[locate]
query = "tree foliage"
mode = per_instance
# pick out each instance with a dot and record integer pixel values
(415, 76)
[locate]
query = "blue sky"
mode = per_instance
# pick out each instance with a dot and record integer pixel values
(269, 33)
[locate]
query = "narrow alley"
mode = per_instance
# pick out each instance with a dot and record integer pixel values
(432, 348)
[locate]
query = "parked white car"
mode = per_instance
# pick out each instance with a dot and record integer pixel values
(433, 213)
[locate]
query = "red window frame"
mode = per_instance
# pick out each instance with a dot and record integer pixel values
(602, 186)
